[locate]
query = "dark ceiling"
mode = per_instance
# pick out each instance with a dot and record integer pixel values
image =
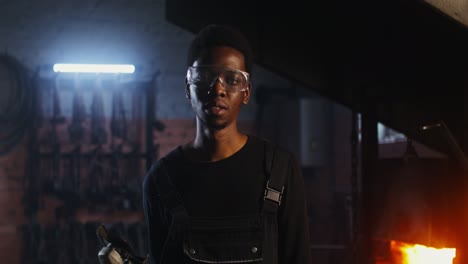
(403, 60)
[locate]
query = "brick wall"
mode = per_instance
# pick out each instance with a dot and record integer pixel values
(12, 169)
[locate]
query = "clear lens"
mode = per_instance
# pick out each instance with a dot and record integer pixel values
(204, 77)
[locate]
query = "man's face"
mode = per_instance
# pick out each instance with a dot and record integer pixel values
(216, 103)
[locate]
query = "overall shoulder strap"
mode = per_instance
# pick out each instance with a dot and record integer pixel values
(276, 168)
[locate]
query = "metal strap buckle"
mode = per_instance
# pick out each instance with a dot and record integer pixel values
(272, 194)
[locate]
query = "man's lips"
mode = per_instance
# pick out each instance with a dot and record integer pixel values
(216, 104)
(216, 108)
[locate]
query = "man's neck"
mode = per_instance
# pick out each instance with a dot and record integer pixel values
(215, 144)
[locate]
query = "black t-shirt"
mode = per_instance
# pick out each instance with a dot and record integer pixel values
(230, 187)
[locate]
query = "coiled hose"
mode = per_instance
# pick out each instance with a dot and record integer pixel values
(16, 103)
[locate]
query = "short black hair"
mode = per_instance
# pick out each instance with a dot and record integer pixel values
(215, 35)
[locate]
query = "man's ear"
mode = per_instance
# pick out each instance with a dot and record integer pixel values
(246, 98)
(187, 89)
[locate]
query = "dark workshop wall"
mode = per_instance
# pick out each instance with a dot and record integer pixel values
(41, 33)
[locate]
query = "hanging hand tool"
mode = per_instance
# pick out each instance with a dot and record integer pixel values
(118, 121)
(98, 130)
(75, 238)
(33, 200)
(61, 241)
(31, 242)
(76, 172)
(136, 112)
(76, 133)
(114, 183)
(95, 193)
(133, 181)
(71, 183)
(81, 246)
(54, 184)
(42, 253)
(151, 122)
(96, 173)
(157, 124)
(76, 129)
(118, 137)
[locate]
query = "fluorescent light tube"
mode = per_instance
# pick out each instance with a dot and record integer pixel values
(96, 68)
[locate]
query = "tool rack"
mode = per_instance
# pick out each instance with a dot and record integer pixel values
(90, 145)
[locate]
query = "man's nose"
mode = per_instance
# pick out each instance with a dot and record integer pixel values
(217, 87)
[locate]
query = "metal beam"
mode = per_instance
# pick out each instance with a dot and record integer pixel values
(456, 9)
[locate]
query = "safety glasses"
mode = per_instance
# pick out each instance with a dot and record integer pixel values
(203, 77)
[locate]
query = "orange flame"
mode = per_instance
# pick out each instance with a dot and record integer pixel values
(420, 254)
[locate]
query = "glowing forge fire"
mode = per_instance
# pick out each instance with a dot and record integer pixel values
(419, 254)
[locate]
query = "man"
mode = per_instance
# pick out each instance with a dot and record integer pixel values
(197, 197)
